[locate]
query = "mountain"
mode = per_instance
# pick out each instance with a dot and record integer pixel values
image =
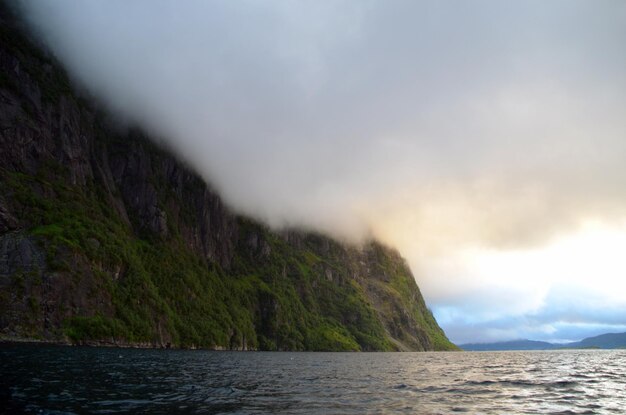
(508, 345)
(106, 238)
(603, 341)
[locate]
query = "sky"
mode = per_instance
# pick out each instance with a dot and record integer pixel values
(485, 140)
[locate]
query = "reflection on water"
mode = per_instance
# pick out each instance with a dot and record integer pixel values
(48, 379)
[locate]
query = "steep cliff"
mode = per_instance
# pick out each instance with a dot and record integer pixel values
(106, 238)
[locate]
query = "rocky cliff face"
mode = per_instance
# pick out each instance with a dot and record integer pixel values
(106, 238)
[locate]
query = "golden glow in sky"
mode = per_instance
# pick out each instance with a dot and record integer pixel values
(571, 273)
(477, 138)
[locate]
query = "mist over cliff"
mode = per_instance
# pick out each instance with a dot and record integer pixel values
(446, 130)
(109, 239)
(352, 117)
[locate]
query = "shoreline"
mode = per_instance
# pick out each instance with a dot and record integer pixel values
(108, 344)
(11, 340)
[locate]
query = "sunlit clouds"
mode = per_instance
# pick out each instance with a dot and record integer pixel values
(574, 280)
(485, 140)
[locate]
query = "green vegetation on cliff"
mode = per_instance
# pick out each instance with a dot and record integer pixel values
(106, 238)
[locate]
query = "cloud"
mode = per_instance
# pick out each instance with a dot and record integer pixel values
(461, 331)
(571, 288)
(435, 126)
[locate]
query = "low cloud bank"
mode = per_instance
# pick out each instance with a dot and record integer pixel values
(435, 126)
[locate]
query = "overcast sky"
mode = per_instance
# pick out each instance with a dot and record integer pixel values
(486, 140)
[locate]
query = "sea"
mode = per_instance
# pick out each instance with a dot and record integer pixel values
(45, 379)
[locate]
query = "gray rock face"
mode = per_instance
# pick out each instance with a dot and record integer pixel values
(129, 170)
(8, 222)
(47, 134)
(19, 254)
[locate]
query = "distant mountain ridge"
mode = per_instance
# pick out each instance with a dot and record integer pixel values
(521, 344)
(603, 341)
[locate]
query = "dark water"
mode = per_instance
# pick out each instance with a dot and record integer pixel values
(48, 379)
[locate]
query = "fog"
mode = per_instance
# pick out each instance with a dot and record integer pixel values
(436, 127)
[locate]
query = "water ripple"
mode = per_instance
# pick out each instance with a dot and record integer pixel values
(58, 380)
